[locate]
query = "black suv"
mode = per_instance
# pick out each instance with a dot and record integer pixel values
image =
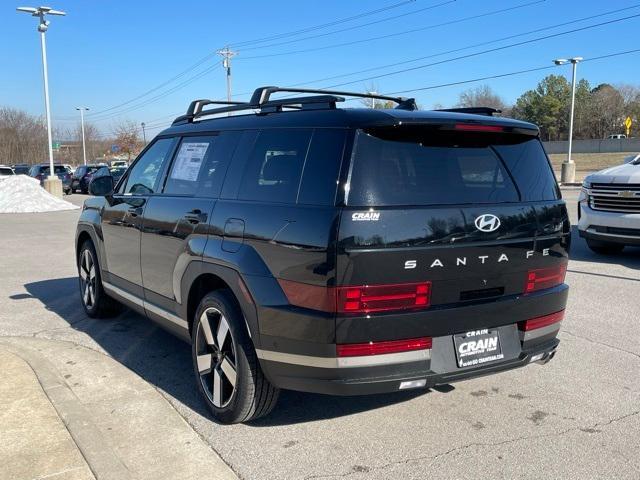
(340, 251)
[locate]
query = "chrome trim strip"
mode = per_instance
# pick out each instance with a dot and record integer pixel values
(344, 362)
(539, 332)
(161, 312)
(121, 293)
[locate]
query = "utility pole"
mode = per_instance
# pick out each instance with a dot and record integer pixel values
(144, 134)
(227, 55)
(52, 184)
(568, 174)
(84, 149)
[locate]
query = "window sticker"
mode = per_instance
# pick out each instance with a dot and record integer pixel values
(189, 161)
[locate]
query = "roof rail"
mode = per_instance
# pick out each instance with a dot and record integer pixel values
(261, 100)
(488, 111)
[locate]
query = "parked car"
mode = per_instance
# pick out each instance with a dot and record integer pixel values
(609, 208)
(21, 169)
(617, 136)
(120, 163)
(330, 250)
(82, 176)
(117, 173)
(41, 172)
(5, 171)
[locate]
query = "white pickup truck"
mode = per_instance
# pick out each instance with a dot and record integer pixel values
(609, 207)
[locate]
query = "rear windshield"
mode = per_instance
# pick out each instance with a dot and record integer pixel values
(413, 168)
(56, 168)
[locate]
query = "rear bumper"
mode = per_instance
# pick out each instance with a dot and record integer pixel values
(312, 366)
(392, 378)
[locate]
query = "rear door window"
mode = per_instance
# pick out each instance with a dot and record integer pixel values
(424, 169)
(193, 154)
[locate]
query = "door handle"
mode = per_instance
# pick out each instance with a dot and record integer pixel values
(195, 216)
(135, 211)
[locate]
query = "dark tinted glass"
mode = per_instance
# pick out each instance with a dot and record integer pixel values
(409, 172)
(193, 156)
(273, 171)
(144, 174)
(5, 171)
(321, 170)
(529, 167)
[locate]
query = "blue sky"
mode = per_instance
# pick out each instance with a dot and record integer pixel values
(103, 54)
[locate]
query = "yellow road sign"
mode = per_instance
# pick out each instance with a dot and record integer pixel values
(627, 125)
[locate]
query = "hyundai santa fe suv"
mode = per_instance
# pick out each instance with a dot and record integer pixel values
(298, 245)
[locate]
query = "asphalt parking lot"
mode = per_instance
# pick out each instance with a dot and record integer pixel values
(577, 417)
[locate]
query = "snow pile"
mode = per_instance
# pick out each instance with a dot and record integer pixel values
(23, 194)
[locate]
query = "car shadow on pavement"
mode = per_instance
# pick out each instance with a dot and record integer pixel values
(629, 257)
(165, 361)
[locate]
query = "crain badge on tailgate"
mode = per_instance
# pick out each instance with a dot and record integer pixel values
(370, 216)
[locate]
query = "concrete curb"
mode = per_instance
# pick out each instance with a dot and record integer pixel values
(101, 459)
(124, 428)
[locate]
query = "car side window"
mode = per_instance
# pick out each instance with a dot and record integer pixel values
(145, 173)
(194, 162)
(273, 171)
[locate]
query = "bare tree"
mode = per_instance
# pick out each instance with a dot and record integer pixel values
(481, 96)
(23, 137)
(127, 137)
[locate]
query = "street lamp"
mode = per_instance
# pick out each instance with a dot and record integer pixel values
(53, 183)
(144, 134)
(568, 174)
(84, 150)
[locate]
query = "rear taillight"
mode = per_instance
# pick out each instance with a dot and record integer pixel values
(472, 127)
(545, 278)
(540, 322)
(380, 348)
(380, 298)
(358, 299)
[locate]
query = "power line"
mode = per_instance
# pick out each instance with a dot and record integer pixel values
(395, 34)
(157, 97)
(354, 27)
(449, 84)
(380, 67)
(212, 54)
(509, 74)
(491, 50)
(324, 25)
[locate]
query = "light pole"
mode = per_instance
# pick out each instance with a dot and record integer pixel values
(84, 149)
(568, 174)
(52, 184)
(144, 134)
(373, 100)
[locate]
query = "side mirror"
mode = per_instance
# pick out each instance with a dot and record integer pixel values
(101, 186)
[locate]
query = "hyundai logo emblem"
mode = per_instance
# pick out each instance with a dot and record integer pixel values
(487, 223)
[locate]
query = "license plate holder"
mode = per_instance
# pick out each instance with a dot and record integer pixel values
(477, 347)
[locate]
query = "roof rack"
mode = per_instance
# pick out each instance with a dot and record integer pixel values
(488, 111)
(261, 100)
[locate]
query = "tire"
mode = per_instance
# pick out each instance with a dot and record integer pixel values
(96, 303)
(605, 248)
(225, 364)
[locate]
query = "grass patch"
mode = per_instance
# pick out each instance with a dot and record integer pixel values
(587, 163)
